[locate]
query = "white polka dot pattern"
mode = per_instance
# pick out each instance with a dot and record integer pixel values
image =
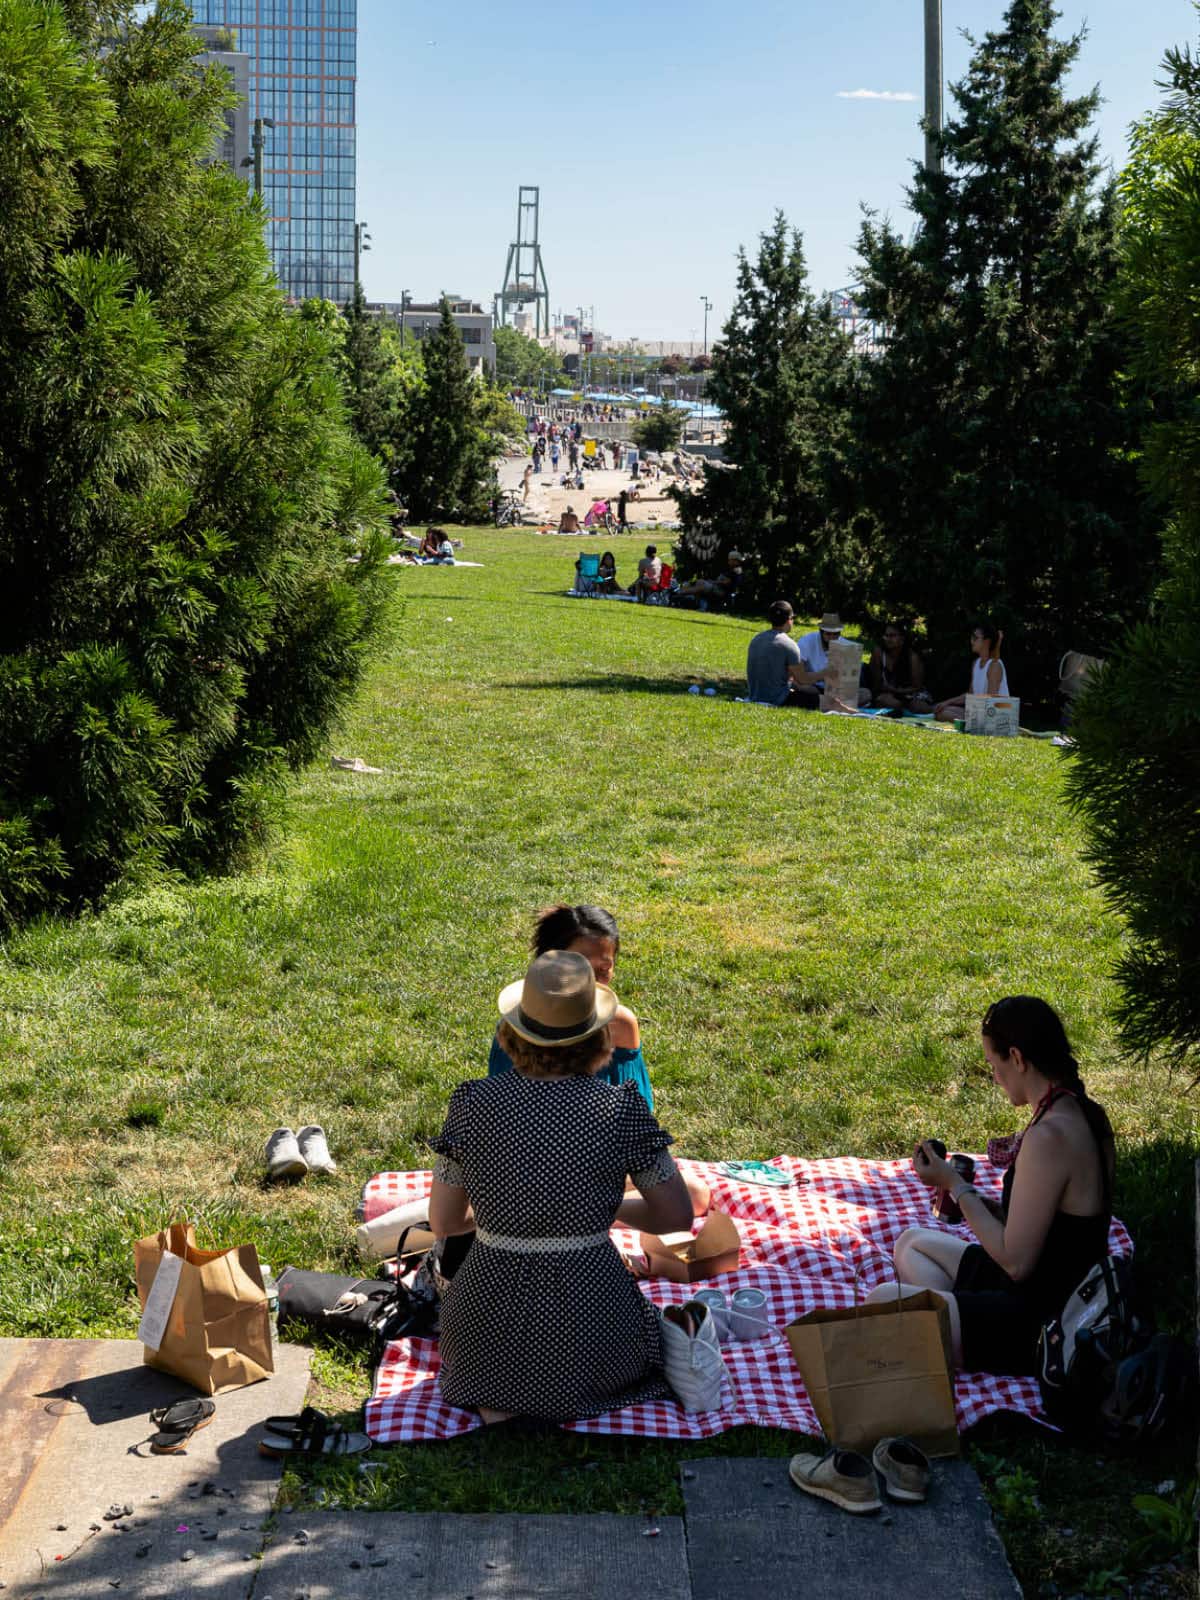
(556, 1333)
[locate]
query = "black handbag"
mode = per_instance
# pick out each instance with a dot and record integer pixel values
(365, 1311)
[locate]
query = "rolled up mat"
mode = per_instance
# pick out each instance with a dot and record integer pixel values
(380, 1237)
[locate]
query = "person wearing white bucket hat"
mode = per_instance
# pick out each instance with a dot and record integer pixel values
(543, 1319)
(814, 653)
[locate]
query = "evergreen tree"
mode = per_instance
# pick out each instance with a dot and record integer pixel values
(780, 374)
(369, 379)
(449, 473)
(1136, 776)
(179, 494)
(994, 438)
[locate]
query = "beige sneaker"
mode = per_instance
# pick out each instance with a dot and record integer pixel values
(903, 1467)
(353, 764)
(841, 1476)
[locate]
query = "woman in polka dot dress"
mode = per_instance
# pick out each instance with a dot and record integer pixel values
(542, 1319)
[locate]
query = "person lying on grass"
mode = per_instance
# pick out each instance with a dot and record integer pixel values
(592, 932)
(542, 1319)
(1051, 1227)
(987, 672)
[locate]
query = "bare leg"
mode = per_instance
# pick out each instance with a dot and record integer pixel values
(891, 1292)
(928, 1257)
(490, 1417)
(951, 710)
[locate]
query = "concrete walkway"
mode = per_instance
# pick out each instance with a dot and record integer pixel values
(74, 1423)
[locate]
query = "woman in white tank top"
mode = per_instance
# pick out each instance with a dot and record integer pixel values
(987, 672)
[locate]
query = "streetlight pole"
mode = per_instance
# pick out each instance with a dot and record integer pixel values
(707, 304)
(403, 309)
(360, 244)
(256, 144)
(933, 84)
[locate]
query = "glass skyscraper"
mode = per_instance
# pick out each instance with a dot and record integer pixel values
(302, 69)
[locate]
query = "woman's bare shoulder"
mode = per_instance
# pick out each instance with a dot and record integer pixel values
(624, 1030)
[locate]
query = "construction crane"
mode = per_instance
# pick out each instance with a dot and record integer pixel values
(524, 274)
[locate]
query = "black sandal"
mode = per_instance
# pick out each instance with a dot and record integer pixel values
(178, 1423)
(310, 1434)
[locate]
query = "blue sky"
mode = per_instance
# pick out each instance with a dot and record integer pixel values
(664, 135)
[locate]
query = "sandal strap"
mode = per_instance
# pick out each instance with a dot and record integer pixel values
(314, 1429)
(181, 1416)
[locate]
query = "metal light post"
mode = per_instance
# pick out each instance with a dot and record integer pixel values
(256, 144)
(403, 309)
(707, 304)
(933, 84)
(360, 244)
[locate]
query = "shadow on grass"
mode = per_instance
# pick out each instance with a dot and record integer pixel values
(630, 683)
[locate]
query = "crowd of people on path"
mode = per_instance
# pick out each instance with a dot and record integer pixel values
(562, 444)
(538, 1160)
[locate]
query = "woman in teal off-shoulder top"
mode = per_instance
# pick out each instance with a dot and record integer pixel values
(592, 932)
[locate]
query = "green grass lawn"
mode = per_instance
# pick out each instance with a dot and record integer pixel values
(815, 913)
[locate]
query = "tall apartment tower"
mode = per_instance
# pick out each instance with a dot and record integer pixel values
(302, 57)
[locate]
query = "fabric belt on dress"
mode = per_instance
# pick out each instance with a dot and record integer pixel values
(538, 1247)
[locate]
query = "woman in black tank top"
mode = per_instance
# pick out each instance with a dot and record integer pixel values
(1052, 1224)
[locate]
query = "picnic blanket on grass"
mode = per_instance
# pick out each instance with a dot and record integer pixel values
(821, 1242)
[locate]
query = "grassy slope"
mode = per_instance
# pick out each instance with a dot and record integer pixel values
(815, 914)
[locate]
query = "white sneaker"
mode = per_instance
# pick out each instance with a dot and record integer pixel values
(692, 1356)
(314, 1149)
(283, 1155)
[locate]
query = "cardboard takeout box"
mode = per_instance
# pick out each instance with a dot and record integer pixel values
(687, 1257)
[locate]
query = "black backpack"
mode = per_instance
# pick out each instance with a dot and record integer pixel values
(1104, 1373)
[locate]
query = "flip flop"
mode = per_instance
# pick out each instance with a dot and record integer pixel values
(178, 1423)
(311, 1434)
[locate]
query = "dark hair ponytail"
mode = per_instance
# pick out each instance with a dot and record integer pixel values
(1026, 1023)
(1032, 1026)
(557, 927)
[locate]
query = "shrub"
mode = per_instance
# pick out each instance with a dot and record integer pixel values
(180, 497)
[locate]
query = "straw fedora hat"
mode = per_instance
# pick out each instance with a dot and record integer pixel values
(830, 623)
(558, 1001)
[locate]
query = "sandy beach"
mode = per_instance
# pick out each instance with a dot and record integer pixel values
(547, 501)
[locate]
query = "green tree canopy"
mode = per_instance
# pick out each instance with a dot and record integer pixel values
(661, 428)
(994, 438)
(781, 374)
(1136, 775)
(450, 440)
(180, 498)
(522, 363)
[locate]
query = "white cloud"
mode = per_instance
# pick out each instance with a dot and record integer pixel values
(875, 94)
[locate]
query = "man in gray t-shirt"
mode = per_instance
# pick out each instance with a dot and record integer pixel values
(775, 673)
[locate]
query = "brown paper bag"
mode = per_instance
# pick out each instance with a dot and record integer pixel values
(207, 1320)
(880, 1369)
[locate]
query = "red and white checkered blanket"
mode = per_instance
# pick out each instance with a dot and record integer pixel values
(804, 1246)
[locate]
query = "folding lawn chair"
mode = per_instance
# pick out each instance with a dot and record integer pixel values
(587, 576)
(660, 595)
